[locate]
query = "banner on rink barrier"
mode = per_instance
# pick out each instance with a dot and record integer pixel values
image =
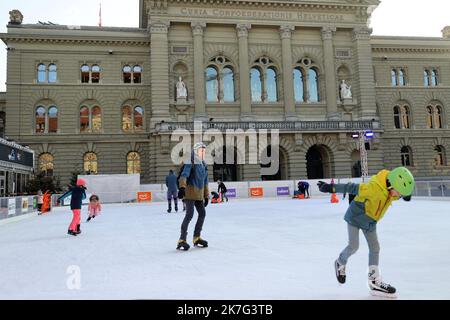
(231, 193)
(11, 207)
(282, 191)
(257, 192)
(24, 205)
(144, 196)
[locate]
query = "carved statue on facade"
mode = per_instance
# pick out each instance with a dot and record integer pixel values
(15, 17)
(181, 89)
(345, 89)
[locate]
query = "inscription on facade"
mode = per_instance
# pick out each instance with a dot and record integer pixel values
(258, 14)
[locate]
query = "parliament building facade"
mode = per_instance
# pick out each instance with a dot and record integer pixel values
(104, 100)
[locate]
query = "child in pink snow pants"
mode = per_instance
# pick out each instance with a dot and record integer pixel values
(78, 194)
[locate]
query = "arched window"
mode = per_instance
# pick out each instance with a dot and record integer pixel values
(95, 75)
(84, 119)
(438, 117)
(138, 118)
(401, 77)
(126, 73)
(406, 155)
(313, 82)
(299, 85)
(256, 85)
(46, 164)
(41, 73)
(212, 85)
(430, 117)
(394, 79)
(137, 74)
(52, 73)
(426, 78)
(53, 119)
(90, 163)
(96, 119)
(434, 77)
(439, 156)
(40, 119)
(85, 73)
(228, 84)
(306, 81)
(397, 117)
(126, 119)
(271, 85)
(405, 117)
(264, 80)
(133, 163)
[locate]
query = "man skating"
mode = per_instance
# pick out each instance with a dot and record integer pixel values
(172, 191)
(194, 190)
(368, 207)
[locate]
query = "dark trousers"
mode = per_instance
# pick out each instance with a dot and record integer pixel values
(200, 206)
(224, 195)
(307, 191)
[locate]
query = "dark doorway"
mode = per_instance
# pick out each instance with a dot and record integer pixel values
(224, 171)
(281, 173)
(314, 163)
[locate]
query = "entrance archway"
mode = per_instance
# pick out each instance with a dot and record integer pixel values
(226, 171)
(282, 167)
(318, 162)
(356, 164)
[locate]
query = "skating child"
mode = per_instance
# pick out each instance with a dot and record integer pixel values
(215, 197)
(371, 202)
(78, 194)
(94, 208)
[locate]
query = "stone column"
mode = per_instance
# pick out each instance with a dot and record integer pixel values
(330, 73)
(199, 71)
(244, 72)
(159, 61)
(364, 73)
(288, 81)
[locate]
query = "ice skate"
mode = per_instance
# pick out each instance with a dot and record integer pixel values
(377, 287)
(78, 230)
(183, 245)
(199, 242)
(340, 271)
(72, 233)
(88, 219)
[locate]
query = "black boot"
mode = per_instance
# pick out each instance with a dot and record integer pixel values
(183, 245)
(89, 219)
(78, 230)
(71, 232)
(170, 207)
(199, 242)
(176, 206)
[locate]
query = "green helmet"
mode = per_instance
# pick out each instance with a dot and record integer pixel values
(402, 180)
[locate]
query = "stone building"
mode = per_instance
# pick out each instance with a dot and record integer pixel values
(104, 99)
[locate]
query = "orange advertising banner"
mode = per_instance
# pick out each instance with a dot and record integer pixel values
(144, 196)
(256, 192)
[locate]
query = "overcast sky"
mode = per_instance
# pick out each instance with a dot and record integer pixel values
(392, 17)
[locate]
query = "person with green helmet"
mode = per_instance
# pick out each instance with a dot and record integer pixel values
(370, 203)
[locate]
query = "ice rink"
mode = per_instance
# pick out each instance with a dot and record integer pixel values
(259, 249)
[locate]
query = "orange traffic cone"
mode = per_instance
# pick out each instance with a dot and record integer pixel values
(334, 198)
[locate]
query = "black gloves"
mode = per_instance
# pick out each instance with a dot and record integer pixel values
(407, 198)
(206, 202)
(181, 193)
(325, 187)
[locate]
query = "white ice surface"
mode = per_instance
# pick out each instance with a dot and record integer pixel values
(259, 249)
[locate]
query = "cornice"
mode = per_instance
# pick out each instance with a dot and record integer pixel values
(409, 49)
(275, 3)
(72, 40)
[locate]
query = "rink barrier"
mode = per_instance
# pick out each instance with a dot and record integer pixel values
(11, 207)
